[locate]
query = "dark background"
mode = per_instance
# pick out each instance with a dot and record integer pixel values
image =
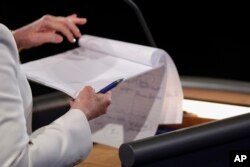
(204, 39)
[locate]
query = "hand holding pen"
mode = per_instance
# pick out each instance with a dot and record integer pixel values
(94, 104)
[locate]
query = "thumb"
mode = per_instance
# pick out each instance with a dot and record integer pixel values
(48, 37)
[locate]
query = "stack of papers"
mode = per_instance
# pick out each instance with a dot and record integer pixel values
(150, 95)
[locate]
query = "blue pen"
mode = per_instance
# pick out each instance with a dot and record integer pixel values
(110, 86)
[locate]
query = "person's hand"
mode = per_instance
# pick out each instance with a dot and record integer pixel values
(48, 29)
(91, 103)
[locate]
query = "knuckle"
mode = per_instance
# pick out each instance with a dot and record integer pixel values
(46, 17)
(108, 102)
(89, 89)
(86, 88)
(66, 22)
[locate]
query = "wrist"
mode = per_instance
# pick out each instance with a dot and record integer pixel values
(17, 40)
(85, 112)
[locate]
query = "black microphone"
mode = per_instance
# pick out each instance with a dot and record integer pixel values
(142, 21)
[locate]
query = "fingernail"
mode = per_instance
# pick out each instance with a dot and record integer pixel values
(74, 40)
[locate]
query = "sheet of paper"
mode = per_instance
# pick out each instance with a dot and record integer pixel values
(141, 104)
(134, 113)
(150, 56)
(74, 69)
(151, 93)
(153, 57)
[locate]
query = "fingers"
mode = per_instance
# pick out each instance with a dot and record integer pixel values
(59, 25)
(48, 29)
(89, 90)
(91, 103)
(77, 20)
(64, 25)
(48, 37)
(105, 98)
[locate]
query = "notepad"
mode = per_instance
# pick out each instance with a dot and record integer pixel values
(150, 95)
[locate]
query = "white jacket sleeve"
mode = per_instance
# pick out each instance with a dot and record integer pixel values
(64, 142)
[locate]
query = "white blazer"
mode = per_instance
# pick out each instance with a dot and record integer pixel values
(62, 143)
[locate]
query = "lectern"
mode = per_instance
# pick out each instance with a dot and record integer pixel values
(209, 144)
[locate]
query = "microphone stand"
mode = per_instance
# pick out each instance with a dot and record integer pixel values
(142, 22)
